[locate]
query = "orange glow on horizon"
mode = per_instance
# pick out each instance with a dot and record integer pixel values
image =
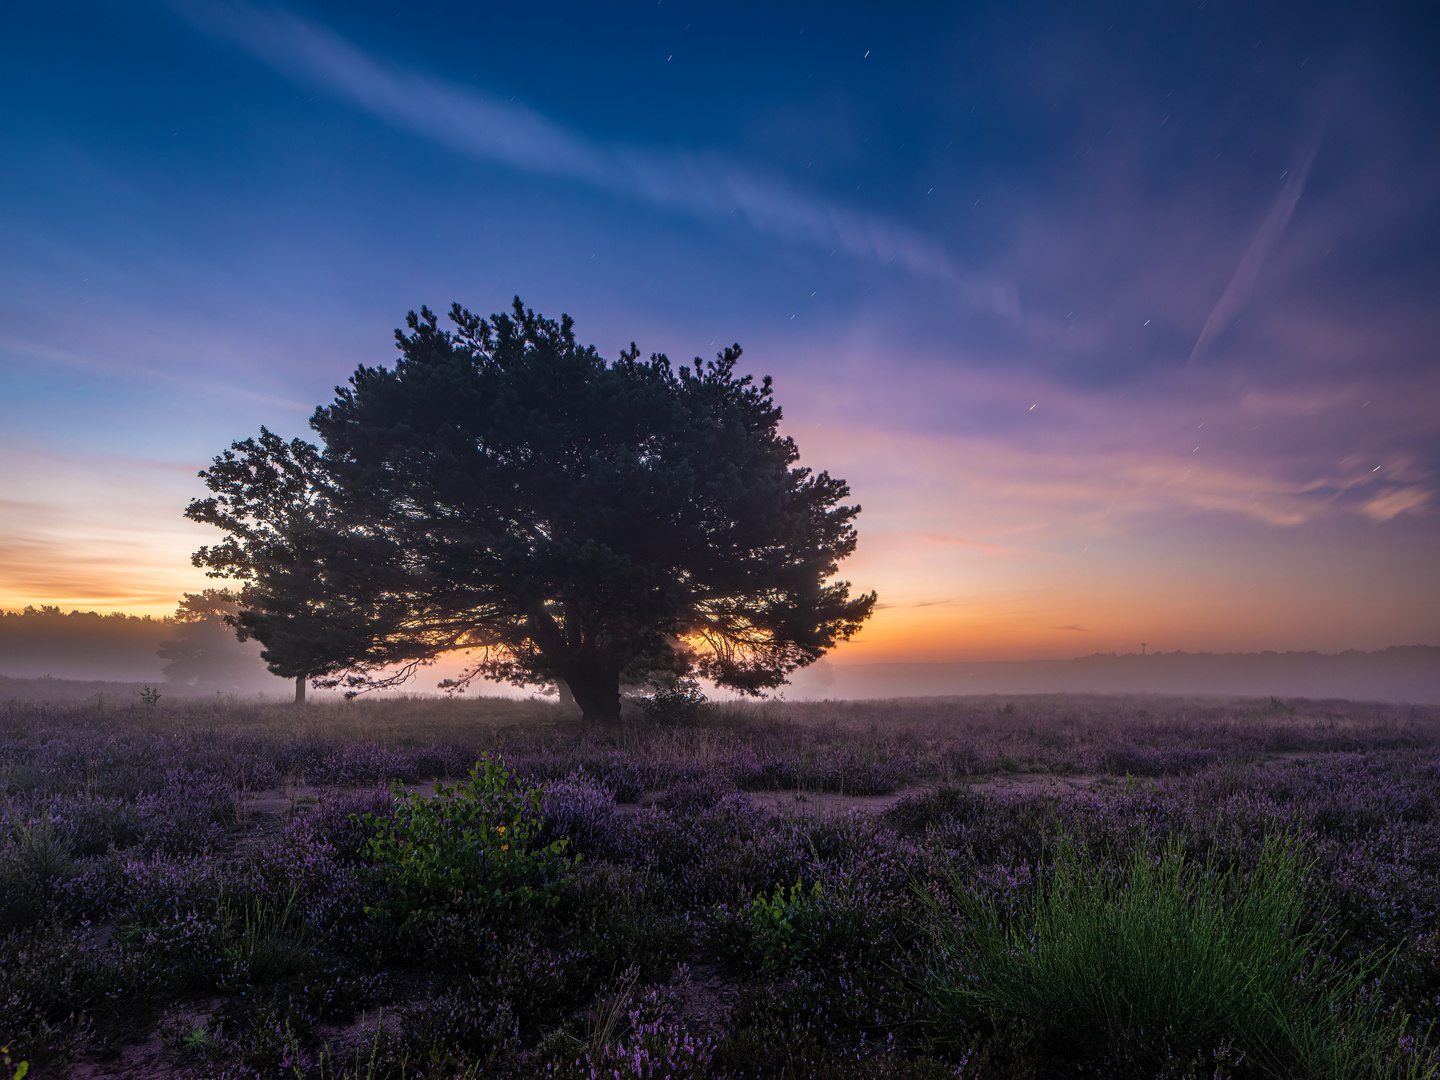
(978, 553)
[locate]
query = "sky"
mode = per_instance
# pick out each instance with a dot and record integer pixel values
(1120, 320)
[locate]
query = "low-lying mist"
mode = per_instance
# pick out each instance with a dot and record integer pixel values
(47, 654)
(1401, 673)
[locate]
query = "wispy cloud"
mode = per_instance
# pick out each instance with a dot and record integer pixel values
(484, 127)
(1237, 293)
(1071, 482)
(1397, 501)
(894, 604)
(938, 538)
(124, 364)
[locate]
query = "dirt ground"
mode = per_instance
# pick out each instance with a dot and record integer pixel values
(279, 803)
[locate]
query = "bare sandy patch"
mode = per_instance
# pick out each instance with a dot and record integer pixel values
(827, 803)
(1037, 784)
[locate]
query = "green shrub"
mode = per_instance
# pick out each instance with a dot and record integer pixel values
(1140, 964)
(474, 844)
(778, 923)
(14, 1072)
(681, 702)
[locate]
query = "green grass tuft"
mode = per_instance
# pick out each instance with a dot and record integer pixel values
(1142, 964)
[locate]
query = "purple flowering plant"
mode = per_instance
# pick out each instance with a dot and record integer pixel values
(152, 865)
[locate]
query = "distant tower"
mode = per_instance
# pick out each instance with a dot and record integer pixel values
(1142, 648)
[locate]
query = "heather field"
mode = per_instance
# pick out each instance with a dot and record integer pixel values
(1042, 887)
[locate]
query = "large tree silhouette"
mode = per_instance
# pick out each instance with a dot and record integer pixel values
(505, 490)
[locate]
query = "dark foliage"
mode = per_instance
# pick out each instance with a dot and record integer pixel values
(304, 572)
(507, 490)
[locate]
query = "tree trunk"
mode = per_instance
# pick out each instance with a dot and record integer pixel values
(300, 689)
(597, 691)
(566, 697)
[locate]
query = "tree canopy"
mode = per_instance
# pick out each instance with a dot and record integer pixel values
(572, 520)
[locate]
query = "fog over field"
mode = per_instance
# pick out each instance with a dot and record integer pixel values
(1401, 673)
(54, 656)
(86, 647)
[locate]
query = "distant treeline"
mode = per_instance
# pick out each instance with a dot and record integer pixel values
(48, 618)
(81, 644)
(1266, 655)
(201, 653)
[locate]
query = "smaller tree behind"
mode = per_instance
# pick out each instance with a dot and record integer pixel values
(298, 568)
(204, 652)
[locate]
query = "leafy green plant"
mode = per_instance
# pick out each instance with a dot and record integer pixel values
(14, 1072)
(1142, 963)
(189, 1043)
(777, 922)
(473, 844)
(680, 702)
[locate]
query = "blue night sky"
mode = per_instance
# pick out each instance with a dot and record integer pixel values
(1121, 320)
